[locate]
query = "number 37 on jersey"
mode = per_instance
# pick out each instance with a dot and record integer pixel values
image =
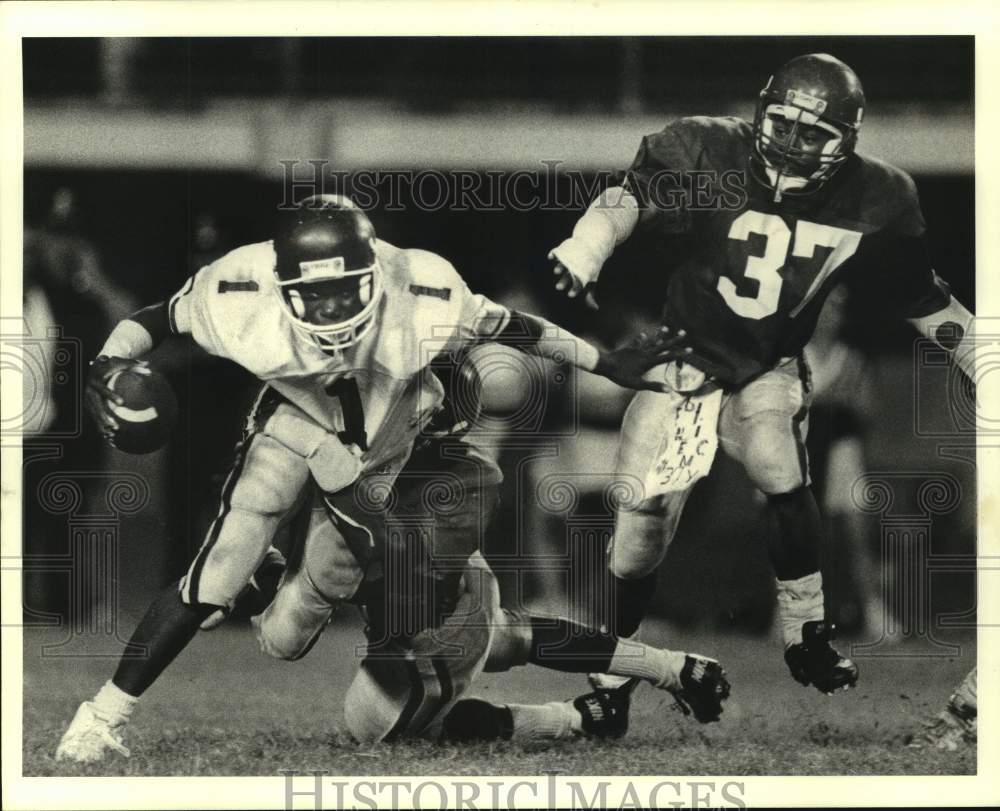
(779, 239)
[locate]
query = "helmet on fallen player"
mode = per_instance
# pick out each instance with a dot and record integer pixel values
(326, 251)
(815, 91)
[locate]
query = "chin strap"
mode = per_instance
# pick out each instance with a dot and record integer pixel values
(782, 183)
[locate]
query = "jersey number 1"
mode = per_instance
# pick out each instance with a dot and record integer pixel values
(346, 390)
(808, 235)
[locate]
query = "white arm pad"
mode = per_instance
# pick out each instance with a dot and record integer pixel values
(953, 329)
(129, 339)
(607, 223)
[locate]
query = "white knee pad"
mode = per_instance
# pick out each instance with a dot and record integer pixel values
(643, 535)
(774, 459)
(293, 621)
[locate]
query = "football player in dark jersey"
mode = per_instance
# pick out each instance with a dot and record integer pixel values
(759, 222)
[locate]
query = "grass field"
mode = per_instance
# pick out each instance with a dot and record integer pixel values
(224, 709)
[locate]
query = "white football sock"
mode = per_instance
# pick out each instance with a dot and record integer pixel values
(545, 722)
(799, 601)
(112, 703)
(660, 666)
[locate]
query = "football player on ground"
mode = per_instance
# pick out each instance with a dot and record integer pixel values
(412, 684)
(956, 725)
(342, 329)
(757, 223)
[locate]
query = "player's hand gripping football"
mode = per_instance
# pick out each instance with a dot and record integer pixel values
(628, 366)
(98, 398)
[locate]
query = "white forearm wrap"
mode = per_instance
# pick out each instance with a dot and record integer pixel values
(583, 355)
(607, 223)
(129, 339)
(953, 329)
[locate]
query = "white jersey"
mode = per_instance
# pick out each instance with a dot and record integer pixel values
(376, 394)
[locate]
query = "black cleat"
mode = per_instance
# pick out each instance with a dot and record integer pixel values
(815, 661)
(605, 712)
(704, 687)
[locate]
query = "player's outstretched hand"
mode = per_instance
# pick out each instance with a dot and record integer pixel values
(98, 398)
(567, 282)
(627, 366)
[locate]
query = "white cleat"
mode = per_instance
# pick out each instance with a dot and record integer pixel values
(89, 736)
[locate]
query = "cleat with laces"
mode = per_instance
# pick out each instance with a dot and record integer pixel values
(703, 688)
(89, 736)
(605, 712)
(815, 661)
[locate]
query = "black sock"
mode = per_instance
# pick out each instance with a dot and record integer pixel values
(559, 644)
(472, 719)
(168, 625)
(630, 600)
(794, 533)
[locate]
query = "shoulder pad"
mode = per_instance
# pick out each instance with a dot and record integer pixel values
(249, 268)
(891, 195)
(420, 273)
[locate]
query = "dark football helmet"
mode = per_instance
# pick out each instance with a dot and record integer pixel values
(327, 248)
(815, 91)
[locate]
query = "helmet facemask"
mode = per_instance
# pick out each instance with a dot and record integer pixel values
(327, 278)
(778, 162)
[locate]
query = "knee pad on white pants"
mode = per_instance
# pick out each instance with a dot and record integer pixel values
(643, 535)
(326, 574)
(264, 485)
(294, 620)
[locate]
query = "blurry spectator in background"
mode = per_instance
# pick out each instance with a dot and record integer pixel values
(39, 355)
(65, 291)
(64, 285)
(69, 266)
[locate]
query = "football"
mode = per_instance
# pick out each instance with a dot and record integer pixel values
(148, 413)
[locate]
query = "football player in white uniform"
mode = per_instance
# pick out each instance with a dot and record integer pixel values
(790, 210)
(342, 328)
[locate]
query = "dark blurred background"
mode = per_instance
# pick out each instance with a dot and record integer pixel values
(147, 158)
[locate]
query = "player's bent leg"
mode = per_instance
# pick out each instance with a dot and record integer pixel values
(698, 683)
(291, 624)
(264, 483)
(763, 426)
(408, 692)
(261, 490)
(324, 573)
(601, 714)
(642, 535)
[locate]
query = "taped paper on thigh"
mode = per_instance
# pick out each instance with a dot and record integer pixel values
(682, 429)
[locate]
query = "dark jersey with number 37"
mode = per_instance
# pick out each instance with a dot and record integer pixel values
(748, 276)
